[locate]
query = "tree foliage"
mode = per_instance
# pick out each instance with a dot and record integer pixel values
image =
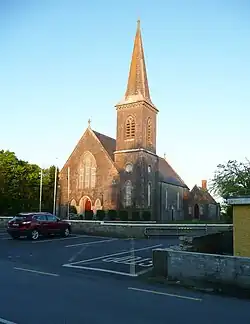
(20, 185)
(232, 179)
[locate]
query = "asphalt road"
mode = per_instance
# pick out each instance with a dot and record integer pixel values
(38, 286)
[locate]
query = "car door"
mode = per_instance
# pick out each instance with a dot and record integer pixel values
(53, 227)
(42, 224)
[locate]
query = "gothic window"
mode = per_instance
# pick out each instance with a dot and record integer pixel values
(87, 172)
(149, 193)
(149, 169)
(166, 199)
(128, 194)
(130, 127)
(149, 132)
(178, 201)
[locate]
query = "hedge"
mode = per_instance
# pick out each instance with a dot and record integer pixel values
(112, 214)
(100, 215)
(146, 215)
(89, 214)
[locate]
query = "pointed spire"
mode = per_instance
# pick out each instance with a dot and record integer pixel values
(137, 87)
(137, 81)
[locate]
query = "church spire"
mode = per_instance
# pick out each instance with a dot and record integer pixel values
(137, 87)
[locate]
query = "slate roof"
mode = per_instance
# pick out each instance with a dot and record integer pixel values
(202, 195)
(107, 142)
(167, 174)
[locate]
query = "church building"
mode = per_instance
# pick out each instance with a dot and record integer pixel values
(125, 173)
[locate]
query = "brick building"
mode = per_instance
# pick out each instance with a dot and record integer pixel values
(125, 173)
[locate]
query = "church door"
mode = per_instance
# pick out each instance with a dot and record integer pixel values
(196, 211)
(87, 204)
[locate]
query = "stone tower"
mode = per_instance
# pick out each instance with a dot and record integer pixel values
(135, 155)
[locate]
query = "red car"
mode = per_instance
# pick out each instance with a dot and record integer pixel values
(33, 225)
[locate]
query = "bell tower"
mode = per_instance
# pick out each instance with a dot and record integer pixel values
(136, 114)
(135, 155)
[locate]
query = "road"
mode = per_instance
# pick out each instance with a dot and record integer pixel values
(37, 287)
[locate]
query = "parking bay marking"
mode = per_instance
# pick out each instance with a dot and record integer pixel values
(38, 272)
(78, 266)
(4, 321)
(164, 294)
(93, 242)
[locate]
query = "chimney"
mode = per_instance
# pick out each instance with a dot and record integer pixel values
(204, 184)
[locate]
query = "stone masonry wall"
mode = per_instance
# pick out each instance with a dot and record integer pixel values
(181, 266)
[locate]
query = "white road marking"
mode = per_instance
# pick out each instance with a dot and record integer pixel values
(3, 321)
(38, 272)
(100, 270)
(93, 242)
(58, 239)
(164, 294)
(118, 253)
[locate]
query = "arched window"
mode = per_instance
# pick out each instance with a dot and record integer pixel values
(178, 201)
(128, 194)
(166, 199)
(149, 193)
(130, 127)
(87, 172)
(149, 132)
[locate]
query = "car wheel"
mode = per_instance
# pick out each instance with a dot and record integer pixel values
(66, 232)
(34, 235)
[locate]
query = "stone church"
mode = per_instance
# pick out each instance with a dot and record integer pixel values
(125, 173)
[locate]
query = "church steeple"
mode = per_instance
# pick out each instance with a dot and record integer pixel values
(136, 114)
(137, 86)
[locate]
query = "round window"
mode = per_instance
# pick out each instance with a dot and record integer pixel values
(129, 168)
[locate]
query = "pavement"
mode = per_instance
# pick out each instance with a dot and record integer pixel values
(88, 279)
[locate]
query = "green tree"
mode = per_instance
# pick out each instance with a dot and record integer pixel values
(20, 185)
(232, 179)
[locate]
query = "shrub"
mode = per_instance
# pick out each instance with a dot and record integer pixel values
(123, 214)
(72, 210)
(100, 215)
(146, 216)
(135, 215)
(89, 214)
(112, 214)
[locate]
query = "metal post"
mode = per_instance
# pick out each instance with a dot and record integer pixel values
(68, 189)
(41, 190)
(132, 263)
(55, 190)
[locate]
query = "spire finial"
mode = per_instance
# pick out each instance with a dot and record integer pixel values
(165, 156)
(138, 23)
(89, 123)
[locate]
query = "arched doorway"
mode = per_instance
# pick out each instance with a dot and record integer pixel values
(85, 204)
(196, 211)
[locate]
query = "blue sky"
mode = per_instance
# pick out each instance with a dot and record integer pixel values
(63, 62)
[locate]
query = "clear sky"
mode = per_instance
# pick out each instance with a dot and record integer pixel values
(65, 61)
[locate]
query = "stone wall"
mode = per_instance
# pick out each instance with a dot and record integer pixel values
(139, 230)
(210, 268)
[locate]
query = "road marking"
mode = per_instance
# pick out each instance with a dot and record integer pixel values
(88, 243)
(101, 270)
(3, 321)
(164, 294)
(127, 260)
(118, 253)
(38, 272)
(58, 239)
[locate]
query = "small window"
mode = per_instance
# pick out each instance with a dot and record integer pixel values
(149, 169)
(149, 194)
(128, 194)
(178, 201)
(190, 210)
(166, 199)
